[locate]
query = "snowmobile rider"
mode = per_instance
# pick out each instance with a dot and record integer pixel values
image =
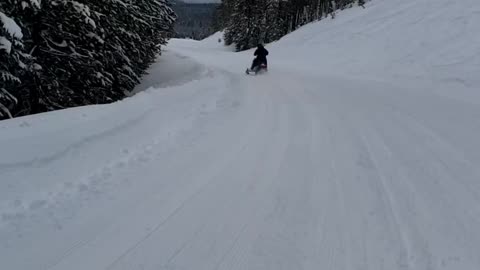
(261, 56)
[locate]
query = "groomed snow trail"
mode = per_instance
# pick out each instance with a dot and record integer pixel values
(291, 170)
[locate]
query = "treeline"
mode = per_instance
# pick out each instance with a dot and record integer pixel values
(194, 20)
(56, 54)
(249, 22)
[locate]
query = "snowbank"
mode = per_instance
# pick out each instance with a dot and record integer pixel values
(46, 156)
(433, 43)
(170, 69)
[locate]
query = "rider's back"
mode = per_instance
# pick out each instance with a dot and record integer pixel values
(261, 53)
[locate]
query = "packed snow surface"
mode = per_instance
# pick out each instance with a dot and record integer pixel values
(358, 149)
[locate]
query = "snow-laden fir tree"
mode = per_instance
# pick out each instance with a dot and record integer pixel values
(247, 24)
(241, 24)
(82, 52)
(10, 62)
(274, 27)
(16, 65)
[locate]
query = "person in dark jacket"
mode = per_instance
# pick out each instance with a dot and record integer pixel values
(261, 56)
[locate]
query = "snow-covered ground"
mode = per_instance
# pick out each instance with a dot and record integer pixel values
(358, 150)
(170, 69)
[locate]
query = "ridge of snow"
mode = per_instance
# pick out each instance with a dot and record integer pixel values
(11, 26)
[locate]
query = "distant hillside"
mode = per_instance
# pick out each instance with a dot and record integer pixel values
(194, 20)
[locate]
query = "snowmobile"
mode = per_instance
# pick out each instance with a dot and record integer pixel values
(260, 69)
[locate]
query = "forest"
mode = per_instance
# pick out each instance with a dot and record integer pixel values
(57, 54)
(250, 22)
(194, 20)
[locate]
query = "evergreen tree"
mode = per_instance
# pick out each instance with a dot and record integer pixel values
(274, 21)
(11, 62)
(79, 52)
(240, 25)
(249, 22)
(16, 65)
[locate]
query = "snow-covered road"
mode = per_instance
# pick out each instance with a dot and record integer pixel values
(291, 170)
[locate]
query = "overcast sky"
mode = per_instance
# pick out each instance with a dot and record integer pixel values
(202, 1)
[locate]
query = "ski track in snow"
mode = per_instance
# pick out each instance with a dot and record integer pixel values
(289, 170)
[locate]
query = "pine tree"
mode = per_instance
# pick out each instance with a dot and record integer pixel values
(16, 65)
(246, 27)
(240, 25)
(79, 52)
(10, 62)
(274, 21)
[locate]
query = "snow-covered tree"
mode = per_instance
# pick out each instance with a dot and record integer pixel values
(16, 64)
(79, 51)
(274, 27)
(241, 24)
(246, 27)
(248, 22)
(11, 62)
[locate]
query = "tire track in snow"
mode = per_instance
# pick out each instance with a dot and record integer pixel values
(351, 126)
(77, 247)
(458, 167)
(392, 206)
(217, 167)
